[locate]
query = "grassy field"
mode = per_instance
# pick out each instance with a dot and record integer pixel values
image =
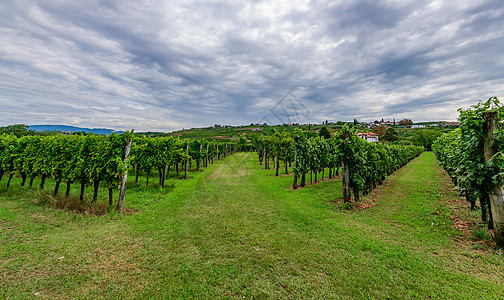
(236, 231)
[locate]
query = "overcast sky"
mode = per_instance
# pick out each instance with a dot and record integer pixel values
(166, 65)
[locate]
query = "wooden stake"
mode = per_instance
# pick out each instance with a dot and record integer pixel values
(496, 196)
(165, 171)
(345, 173)
(294, 184)
(122, 194)
(186, 162)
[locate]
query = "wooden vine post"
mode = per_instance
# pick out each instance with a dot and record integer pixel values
(213, 153)
(496, 195)
(294, 184)
(345, 174)
(198, 166)
(277, 159)
(122, 194)
(165, 171)
(206, 160)
(264, 157)
(187, 161)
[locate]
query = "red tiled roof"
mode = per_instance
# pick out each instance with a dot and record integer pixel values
(367, 134)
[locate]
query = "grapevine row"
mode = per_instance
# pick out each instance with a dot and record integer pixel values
(367, 163)
(99, 160)
(473, 156)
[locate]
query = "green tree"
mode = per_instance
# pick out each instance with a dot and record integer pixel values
(405, 122)
(17, 129)
(391, 135)
(324, 132)
(380, 130)
(425, 137)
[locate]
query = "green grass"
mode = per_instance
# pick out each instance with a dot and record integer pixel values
(236, 231)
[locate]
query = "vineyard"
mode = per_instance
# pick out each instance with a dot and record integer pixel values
(473, 157)
(237, 230)
(364, 165)
(277, 215)
(92, 160)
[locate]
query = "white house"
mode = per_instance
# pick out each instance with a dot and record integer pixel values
(369, 136)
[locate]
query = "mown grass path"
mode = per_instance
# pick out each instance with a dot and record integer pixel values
(236, 231)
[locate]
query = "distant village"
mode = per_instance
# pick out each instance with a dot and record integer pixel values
(404, 123)
(369, 131)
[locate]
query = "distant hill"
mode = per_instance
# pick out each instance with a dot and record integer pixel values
(72, 129)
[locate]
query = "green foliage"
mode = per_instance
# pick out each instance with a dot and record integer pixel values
(460, 152)
(82, 158)
(324, 132)
(425, 137)
(17, 129)
(9, 151)
(242, 144)
(248, 237)
(369, 163)
(482, 234)
(97, 159)
(391, 135)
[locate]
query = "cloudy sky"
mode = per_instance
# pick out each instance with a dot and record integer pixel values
(165, 65)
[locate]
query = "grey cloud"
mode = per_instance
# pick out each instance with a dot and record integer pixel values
(166, 65)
